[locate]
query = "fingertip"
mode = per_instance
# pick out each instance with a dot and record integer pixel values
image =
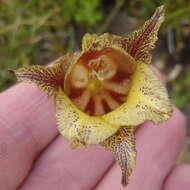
(178, 178)
(161, 76)
(179, 117)
(176, 126)
(112, 180)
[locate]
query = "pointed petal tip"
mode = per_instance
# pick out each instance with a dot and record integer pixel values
(124, 181)
(122, 144)
(159, 12)
(161, 7)
(11, 71)
(76, 144)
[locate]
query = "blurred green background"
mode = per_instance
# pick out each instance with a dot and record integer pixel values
(36, 32)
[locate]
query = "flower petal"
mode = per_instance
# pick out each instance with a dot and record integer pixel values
(46, 78)
(92, 42)
(76, 144)
(77, 126)
(122, 144)
(138, 44)
(141, 41)
(147, 100)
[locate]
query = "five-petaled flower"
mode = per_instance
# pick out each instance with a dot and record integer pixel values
(104, 92)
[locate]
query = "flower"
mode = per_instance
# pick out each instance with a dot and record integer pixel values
(104, 92)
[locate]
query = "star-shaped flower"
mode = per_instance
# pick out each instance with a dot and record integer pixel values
(104, 92)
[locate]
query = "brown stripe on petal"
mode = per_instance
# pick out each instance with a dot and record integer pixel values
(122, 144)
(48, 79)
(121, 88)
(106, 106)
(75, 93)
(143, 37)
(119, 77)
(141, 41)
(90, 107)
(113, 104)
(83, 100)
(116, 96)
(37, 77)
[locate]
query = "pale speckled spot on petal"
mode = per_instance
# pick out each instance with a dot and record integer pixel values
(75, 125)
(122, 144)
(92, 42)
(147, 100)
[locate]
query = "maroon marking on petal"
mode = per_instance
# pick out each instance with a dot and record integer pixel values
(45, 80)
(75, 93)
(146, 34)
(87, 56)
(120, 76)
(106, 106)
(90, 107)
(116, 96)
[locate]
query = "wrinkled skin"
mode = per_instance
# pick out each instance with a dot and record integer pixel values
(33, 156)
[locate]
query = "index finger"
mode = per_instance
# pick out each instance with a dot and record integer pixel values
(27, 125)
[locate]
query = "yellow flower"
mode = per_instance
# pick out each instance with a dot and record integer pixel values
(104, 92)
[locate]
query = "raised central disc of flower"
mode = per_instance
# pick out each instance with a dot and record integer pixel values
(100, 80)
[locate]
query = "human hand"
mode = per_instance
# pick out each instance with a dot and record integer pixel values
(34, 157)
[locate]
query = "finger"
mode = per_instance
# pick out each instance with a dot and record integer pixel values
(59, 168)
(27, 125)
(160, 75)
(178, 178)
(157, 151)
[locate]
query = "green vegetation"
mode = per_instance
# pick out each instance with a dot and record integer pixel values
(181, 90)
(177, 14)
(36, 32)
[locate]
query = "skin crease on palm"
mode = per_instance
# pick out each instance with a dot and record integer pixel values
(33, 156)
